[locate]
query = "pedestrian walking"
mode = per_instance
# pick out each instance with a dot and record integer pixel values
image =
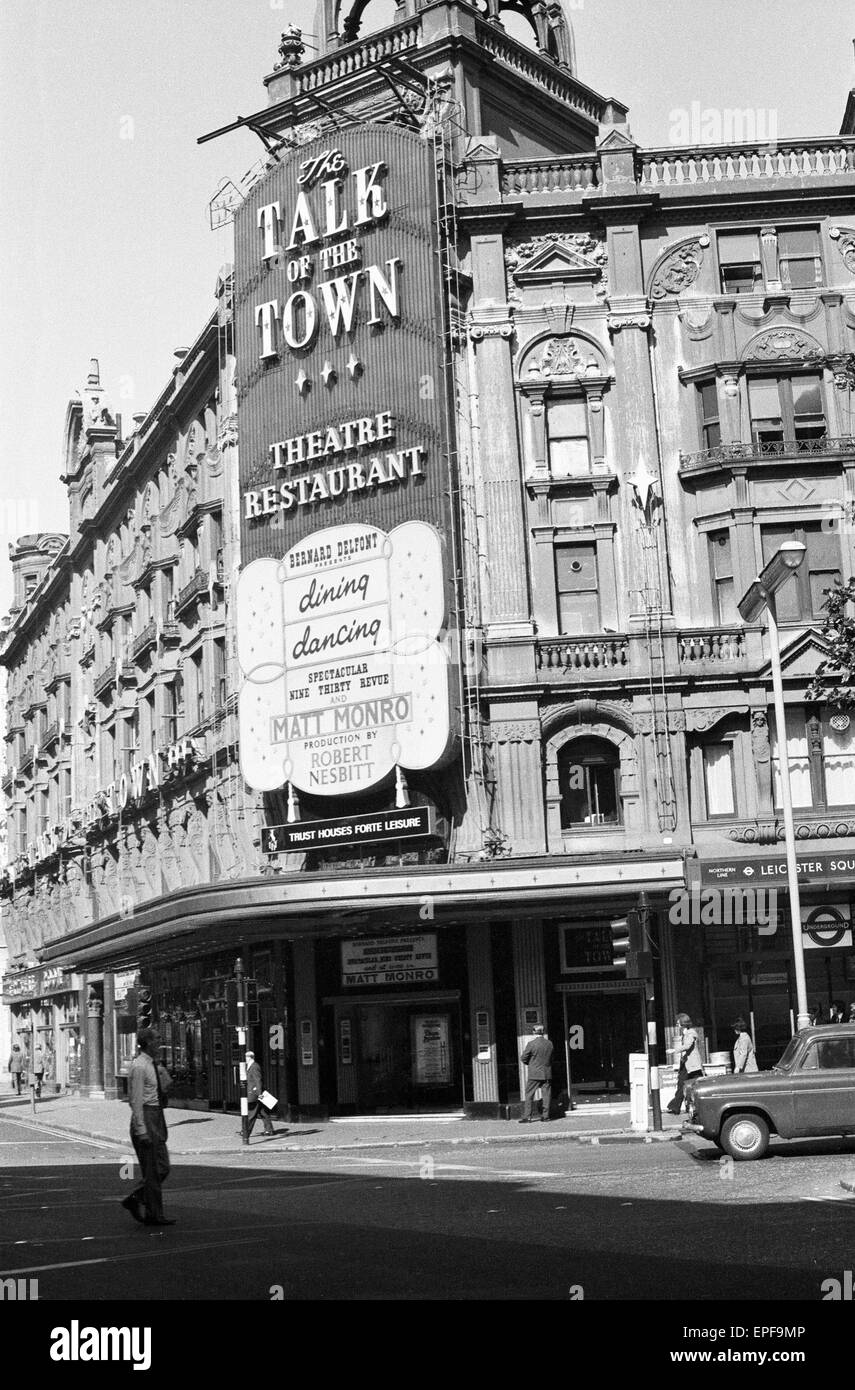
(852, 1013)
(835, 1013)
(254, 1089)
(743, 1049)
(538, 1058)
(690, 1064)
(16, 1066)
(38, 1068)
(147, 1096)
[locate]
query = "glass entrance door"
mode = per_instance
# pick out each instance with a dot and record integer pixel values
(406, 1055)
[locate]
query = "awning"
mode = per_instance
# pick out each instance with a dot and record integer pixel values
(212, 917)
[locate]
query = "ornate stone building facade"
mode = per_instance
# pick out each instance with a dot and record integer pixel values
(650, 366)
(120, 784)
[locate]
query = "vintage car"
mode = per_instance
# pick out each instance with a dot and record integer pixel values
(809, 1094)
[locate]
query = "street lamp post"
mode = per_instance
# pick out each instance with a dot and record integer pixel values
(759, 597)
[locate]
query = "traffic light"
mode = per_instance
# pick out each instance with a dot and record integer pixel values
(144, 1007)
(251, 995)
(622, 930)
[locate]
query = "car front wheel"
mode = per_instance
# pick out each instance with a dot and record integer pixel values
(744, 1137)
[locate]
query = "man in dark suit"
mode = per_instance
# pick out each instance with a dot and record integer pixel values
(538, 1058)
(254, 1088)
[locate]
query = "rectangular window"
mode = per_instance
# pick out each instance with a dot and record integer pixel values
(788, 408)
(838, 763)
(802, 597)
(739, 262)
(767, 420)
(569, 456)
(198, 688)
(797, 757)
(167, 581)
(721, 565)
(708, 406)
(718, 779)
(799, 257)
(576, 582)
(220, 685)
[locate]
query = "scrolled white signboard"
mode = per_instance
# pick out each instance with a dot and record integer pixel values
(344, 678)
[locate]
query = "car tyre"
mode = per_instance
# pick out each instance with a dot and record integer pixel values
(744, 1137)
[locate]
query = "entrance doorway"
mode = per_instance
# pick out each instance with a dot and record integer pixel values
(603, 1024)
(398, 1055)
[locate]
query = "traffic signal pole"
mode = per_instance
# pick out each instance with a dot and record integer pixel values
(241, 1032)
(650, 1008)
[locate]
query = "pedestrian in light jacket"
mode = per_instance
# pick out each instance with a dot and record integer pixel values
(690, 1060)
(743, 1049)
(38, 1068)
(147, 1080)
(16, 1067)
(538, 1058)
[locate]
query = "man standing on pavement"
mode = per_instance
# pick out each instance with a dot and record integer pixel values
(148, 1132)
(538, 1058)
(38, 1068)
(254, 1089)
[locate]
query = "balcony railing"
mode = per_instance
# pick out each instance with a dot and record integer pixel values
(701, 645)
(608, 657)
(25, 766)
(562, 175)
(191, 592)
(756, 451)
(52, 735)
(787, 159)
(146, 639)
(357, 57)
(105, 679)
(581, 656)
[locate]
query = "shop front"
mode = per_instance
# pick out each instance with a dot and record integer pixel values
(44, 1006)
(749, 956)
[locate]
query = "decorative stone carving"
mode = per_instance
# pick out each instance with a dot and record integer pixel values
(479, 331)
(777, 343)
(557, 255)
(560, 358)
(617, 322)
(679, 268)
(291, 50)
(515, 731)
(845, 238)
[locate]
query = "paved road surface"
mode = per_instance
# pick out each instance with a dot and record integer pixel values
(518, 1221)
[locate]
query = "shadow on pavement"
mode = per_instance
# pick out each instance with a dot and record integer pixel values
(323, 1234)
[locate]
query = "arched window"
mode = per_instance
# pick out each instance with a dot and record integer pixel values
(588, 783)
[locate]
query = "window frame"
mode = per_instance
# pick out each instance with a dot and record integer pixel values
(729, 744)
(789, 428)
(590, 543)
(612, 763)
(802, 577)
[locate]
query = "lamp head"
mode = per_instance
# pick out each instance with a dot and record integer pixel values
(786, 560)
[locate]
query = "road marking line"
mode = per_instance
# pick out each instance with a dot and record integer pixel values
(68, 1138)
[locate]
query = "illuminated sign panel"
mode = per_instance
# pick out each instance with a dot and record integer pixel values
(345, 601)
(340, 372)
(344, 678)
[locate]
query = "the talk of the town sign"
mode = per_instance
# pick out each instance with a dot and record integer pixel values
(343, 607)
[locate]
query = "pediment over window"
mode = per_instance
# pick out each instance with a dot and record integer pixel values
(800, 659)
(783, 345)
(559, 257)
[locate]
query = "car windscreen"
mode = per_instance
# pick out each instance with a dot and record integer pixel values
(789, 1054)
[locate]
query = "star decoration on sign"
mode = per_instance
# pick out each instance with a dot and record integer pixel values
(329, 372)
(301, 381)
(353, 365)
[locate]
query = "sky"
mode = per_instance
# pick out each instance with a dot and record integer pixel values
(106, 246)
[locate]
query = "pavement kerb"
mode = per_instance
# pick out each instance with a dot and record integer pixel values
(593, 1137)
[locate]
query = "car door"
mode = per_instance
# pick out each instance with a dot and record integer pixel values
(824, 1088)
